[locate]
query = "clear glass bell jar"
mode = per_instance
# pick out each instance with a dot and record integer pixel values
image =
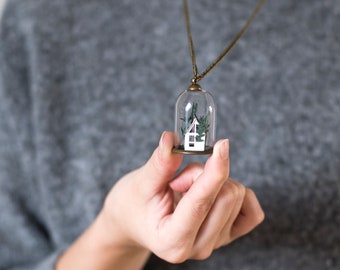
(195, 122)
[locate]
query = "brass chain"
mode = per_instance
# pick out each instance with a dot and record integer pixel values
(197, 76)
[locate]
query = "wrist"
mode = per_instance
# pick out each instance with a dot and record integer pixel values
(102, 246)
(113, 235)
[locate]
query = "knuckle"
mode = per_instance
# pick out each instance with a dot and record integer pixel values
(203, 254)
(177, 255)
(235, 190)
(231, 191)
(223, 242)
(259, 218)
(259, 214)
(251, 193)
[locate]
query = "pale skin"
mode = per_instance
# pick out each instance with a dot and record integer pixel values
(177, 216)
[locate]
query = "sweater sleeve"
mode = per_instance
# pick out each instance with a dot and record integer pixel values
(25, 239)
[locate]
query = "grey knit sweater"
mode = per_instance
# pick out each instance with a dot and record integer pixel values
(87, 87)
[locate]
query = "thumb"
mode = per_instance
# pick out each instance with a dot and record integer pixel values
(163, 164)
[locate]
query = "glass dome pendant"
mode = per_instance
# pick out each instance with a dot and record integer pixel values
(195, 108)
(195, 121)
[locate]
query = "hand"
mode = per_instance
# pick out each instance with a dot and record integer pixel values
(184, 216)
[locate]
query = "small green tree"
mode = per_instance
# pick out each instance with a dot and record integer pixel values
(203, 127)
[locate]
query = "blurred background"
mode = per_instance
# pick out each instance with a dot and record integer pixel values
(278, 101)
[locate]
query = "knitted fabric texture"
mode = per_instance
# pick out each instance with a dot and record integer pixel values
(87, 87)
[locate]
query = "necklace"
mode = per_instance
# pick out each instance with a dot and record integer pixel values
(195, 107)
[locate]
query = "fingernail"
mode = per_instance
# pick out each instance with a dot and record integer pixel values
(161, 142)
(224, 149)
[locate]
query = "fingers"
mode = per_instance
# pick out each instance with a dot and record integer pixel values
(250, 216)
(245, 218)
(226, 207)
(235, 212)
(195, 205)
(162, 165)
(212, 210)
(237, 194)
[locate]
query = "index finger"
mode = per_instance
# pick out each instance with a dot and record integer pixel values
(194, 206)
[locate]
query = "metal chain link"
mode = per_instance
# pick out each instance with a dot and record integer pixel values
(197, 77)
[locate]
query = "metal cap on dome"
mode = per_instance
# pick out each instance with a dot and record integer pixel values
(195, 87)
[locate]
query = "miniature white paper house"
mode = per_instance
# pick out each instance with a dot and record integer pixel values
(190, 139)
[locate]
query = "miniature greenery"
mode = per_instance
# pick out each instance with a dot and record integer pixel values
(202, 128)
(203, 123)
